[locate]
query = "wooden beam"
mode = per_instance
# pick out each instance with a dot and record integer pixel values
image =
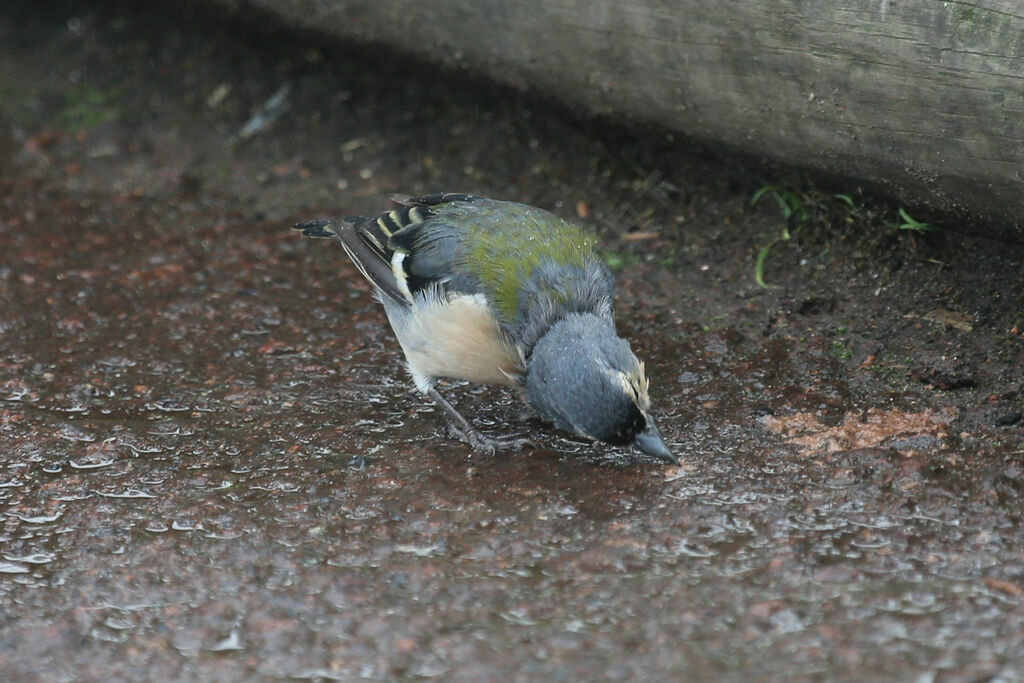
(920, 97)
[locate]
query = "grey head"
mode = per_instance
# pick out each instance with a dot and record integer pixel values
(585, 379)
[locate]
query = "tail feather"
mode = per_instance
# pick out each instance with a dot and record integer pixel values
(316, 229)
(379, 246)
(367, 256)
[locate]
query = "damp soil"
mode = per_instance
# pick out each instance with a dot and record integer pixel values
(213, 465)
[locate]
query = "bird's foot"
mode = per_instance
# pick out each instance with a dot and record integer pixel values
(463, 430)
(488, 444)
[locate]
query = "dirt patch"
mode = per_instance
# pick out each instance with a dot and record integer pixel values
(214, 467)
(903, 431)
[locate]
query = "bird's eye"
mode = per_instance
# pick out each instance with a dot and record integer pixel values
(628, 429)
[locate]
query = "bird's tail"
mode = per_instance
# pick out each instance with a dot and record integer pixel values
(366, 245)
(316, 229)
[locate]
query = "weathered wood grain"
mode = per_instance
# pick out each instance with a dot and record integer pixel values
(922, 97)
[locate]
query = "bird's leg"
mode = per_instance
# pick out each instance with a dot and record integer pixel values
(470, 434)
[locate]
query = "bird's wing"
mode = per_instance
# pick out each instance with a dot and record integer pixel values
(516, 256)
(510, 253)
(368, 241)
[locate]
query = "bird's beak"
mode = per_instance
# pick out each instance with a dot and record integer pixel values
(650, 442)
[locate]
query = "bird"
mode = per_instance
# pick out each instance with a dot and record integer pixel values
(499, 292)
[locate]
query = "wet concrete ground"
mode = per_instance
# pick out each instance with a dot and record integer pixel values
(213, 466)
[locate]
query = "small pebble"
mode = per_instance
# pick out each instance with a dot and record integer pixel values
(1008, 419)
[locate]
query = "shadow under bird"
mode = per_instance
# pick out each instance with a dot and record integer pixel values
(497, 292)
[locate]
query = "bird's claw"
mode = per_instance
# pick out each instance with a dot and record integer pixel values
(487, 444)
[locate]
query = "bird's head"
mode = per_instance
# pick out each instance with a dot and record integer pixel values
(586, 380)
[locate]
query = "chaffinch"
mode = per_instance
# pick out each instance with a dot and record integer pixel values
(503, 293)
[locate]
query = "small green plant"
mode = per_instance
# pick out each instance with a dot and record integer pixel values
(796, 209)
(800, 210)
(85, 108)
(915, 225)
(762, 256)
(841, 350)
(617, 260)
(846, 199)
